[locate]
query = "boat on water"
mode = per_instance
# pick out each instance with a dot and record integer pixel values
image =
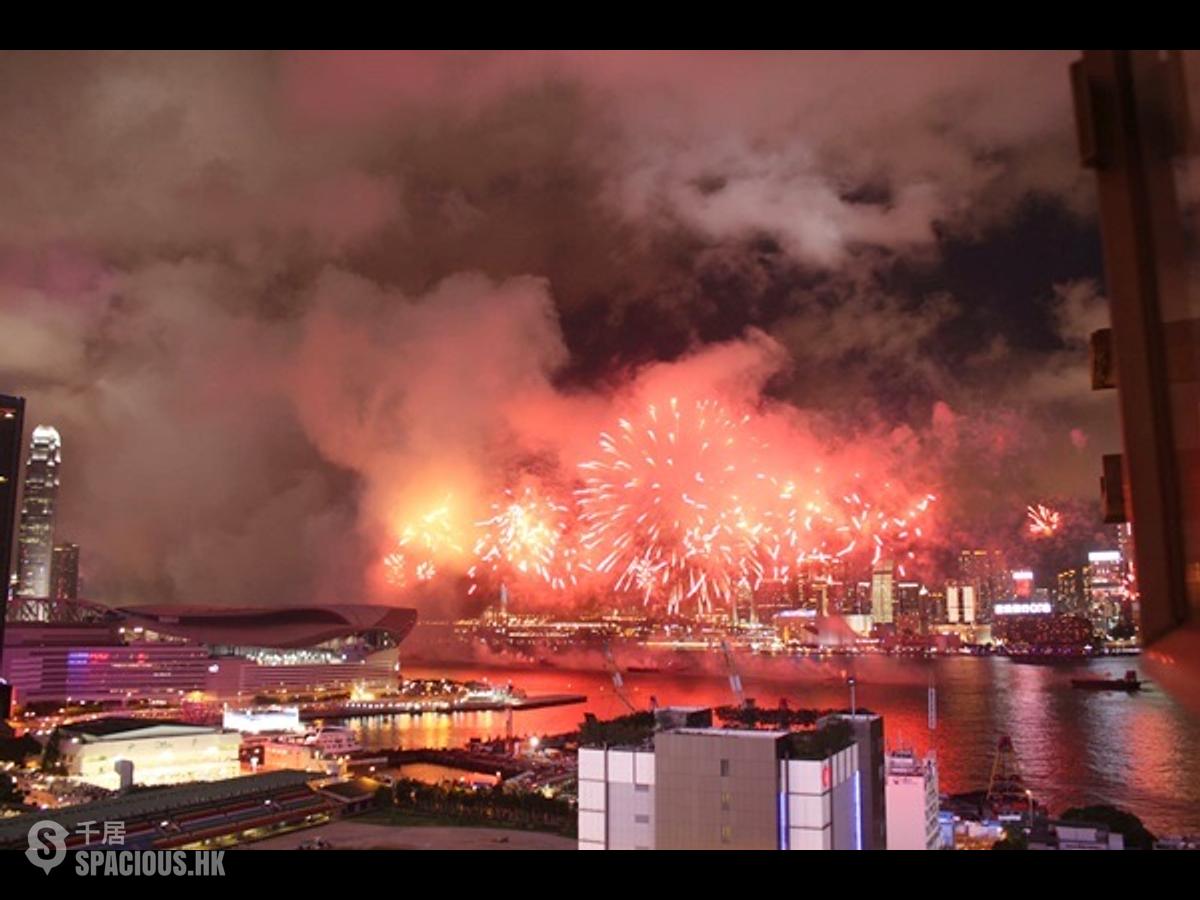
(333, 740)
(1008, 798)
(1129, 683)
(1044, 659)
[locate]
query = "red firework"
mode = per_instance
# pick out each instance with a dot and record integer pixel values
(1043, 522)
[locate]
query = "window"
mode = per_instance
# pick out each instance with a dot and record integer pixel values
(724, 767)
(642, 820)
(725, 800)
(726, 834)
(642, 788)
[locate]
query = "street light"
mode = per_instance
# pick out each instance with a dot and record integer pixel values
(1029, 797)
(853, 703)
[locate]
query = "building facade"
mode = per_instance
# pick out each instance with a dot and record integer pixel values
(12, 421)
(912, 802)
(987, 572)
(1040, 628)
(58, 664)
(160, 752)
(721, 789)
(1104, 587)
(39, 501)
(867, 731)
(1069, 597)
(64, 572)
(163, 652)
(1074, 836)
(960, 604)
(883, 593)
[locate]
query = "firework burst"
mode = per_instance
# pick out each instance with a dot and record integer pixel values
(686, 504)
(887, 527)
(1043, 522)
(526, 538)
(420, 544)
(665, 508)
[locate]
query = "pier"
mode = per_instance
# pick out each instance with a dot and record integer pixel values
(345, 709)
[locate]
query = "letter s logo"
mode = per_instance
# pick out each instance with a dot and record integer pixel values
(47, 844)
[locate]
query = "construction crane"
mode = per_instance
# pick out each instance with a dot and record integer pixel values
(617, 679)
(735, 678)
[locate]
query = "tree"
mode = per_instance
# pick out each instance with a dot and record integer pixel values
(630, 730)
(9, 792)
(384, 798)
(52, 761)
(1015, 838)
(17, 750)
(1119, 821)
(1123, 632)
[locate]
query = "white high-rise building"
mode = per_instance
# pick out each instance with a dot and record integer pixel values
(883, 592)
(723, 789)
(960, 604)
(912, 802)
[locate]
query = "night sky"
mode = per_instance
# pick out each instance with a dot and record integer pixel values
(269, 299)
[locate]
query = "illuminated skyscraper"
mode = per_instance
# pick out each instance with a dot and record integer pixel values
(38, 502)
(1022, 585)
(12, 419)
(883, 592)
(908, 609)
(64, 572)
(987, 570)
(1104, 584)
(1070, 598)
(1131, 613)
(960, 604)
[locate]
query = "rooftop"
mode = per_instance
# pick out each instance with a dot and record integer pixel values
(110, 727)
(168, 801)
(731, 732)
(906, 762)
(349, 791)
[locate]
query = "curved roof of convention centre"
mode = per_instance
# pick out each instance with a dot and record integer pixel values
(282, 627)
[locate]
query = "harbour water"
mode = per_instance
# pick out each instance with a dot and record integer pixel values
(1138, 751)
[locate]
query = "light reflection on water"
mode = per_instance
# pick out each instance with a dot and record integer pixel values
(1074, 747)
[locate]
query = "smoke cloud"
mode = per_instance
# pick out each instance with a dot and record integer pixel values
(277, 305)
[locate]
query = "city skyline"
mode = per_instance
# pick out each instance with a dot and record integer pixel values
(596, 450)
(964, 594)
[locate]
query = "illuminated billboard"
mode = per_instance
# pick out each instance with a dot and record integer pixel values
(1037, 608)
(1022, 583)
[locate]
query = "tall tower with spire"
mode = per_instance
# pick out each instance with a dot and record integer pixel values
(39, 500)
